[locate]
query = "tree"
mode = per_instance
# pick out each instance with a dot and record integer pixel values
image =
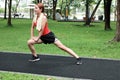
(39, 1)
(75, 4)
(107, 7)
(64, 6)
(36, 1)
(16, 6)
(117, 36)
(92, 15)
(87, 12)
(9, 14)
(54, 8)
(5, 9)
(61, 7)
(87, 15)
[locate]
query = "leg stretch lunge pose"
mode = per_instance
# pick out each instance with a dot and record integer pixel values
(45, 35)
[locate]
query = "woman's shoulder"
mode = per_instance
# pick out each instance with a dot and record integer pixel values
(44, 18)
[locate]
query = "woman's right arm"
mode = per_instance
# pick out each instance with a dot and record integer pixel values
(32, 30)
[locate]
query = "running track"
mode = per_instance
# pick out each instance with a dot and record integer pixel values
(62, 66)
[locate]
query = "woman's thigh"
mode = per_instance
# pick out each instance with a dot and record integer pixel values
(32, 41)
(58, 43)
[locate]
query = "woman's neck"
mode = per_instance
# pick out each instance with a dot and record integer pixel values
(38, 15)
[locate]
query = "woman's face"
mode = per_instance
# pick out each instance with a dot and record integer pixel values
(37, 10)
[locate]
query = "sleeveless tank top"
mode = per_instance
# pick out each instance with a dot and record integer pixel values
(46, 30)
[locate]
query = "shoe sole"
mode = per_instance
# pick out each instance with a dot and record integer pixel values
(78, 63)
(34, 60)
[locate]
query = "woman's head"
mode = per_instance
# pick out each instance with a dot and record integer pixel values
(39, 8)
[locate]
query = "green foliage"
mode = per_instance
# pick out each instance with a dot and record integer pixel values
(34, 1)
(80, 4)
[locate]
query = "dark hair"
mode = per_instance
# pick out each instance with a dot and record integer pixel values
(41, 6)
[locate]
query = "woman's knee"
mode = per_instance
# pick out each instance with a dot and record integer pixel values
(29, 42)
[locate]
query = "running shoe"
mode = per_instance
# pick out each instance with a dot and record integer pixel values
(33, 59)
(79, 61)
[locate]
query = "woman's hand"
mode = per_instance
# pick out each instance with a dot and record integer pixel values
(35, 39)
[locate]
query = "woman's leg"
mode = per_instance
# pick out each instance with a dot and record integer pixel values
(66, 49)
(31, 43)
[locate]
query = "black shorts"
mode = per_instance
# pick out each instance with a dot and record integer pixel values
(48, 38)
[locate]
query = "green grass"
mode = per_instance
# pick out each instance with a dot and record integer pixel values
(21, 76)
(85, 41)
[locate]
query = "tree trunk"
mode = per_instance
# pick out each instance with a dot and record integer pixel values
(107, 5)
(117, 36)
(5, 9)
(61, 7)
(93, 13)
(9, 16)
(54, 8)
(17, 4)
(87, 13)
(39, 1)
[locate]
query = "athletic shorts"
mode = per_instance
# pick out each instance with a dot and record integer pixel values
(48, 38)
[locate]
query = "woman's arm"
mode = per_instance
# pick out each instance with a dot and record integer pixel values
(32, 30)
(44, 21)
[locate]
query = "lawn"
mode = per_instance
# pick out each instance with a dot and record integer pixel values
(22, 76)
(85, 41)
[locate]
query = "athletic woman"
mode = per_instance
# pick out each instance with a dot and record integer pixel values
(45, 35)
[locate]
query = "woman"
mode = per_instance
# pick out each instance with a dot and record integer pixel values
(45, 35)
